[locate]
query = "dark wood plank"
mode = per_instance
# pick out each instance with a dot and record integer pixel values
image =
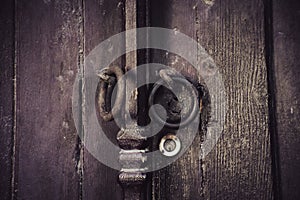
(6, 97)
(286, 55)
(102, 20)
(182, 179)
(239, 167)
(48, 51)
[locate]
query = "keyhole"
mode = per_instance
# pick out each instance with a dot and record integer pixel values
(169, 145)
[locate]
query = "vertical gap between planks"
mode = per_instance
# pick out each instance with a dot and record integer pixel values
(201, 163)
(14, 132)
(269, 45)
(79, 153)
(147, 77)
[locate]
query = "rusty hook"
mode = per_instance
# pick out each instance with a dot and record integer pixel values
(106, 76)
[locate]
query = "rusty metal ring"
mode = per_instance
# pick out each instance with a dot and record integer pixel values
(185, 121)
(105, 79)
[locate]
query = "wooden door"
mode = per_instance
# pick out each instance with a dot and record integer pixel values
(254, 43)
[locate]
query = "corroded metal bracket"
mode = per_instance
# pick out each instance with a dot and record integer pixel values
(132, 176)
(130, 139)
(132, 157)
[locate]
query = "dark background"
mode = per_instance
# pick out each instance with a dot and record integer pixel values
(255, 43)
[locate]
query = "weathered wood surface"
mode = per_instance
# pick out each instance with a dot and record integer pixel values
(47, 160)
(102, 19)
(6, 97)
(286, 53)
(239, 167)
(47, 54)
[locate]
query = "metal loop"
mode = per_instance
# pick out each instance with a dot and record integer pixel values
(169, 77)
(106, 79)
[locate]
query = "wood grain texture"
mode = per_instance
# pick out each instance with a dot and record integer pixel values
(239, 167)
(286, 55)
(52, 37)
(6, 97)
(102, 19)
(47, 36)
(183, 178)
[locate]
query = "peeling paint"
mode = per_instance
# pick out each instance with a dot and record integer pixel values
(209, 2)
(63, 79)
(119, 4)
(59, 78)
(65, 125)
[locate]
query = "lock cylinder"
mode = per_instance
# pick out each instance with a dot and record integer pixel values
(170, 145)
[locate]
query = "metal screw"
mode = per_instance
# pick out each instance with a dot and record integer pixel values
(170, 145)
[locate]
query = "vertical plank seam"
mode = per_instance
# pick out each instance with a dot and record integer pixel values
(79, 144)
(201, 163)
(268, 23)
(14, 132)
